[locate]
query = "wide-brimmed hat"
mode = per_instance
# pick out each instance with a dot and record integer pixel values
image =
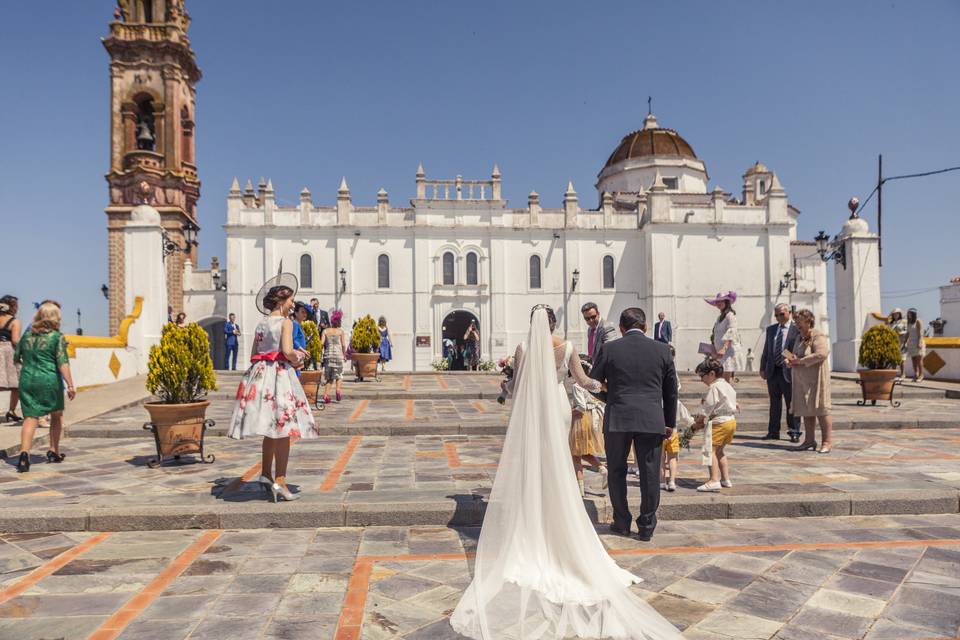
(280, 280)
(730, 296)
(897, 310)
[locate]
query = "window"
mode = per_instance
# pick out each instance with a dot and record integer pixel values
(670, 183)
(763, 187)
(306, 271)
(448, 270)
(383, 271)
(608, 272)
(472, 268)
(534, 272)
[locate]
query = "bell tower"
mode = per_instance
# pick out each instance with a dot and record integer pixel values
(153, 73)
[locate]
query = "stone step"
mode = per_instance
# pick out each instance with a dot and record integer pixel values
(253, 512)
(498, 426)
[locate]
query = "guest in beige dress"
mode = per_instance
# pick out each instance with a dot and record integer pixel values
(914, 345)
(811, 382)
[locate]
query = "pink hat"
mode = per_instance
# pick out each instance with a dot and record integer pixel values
(730, 296)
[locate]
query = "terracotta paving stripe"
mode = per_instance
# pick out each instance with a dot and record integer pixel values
(453, 457)
(333, 476)
(442, 382)
(119, 621)
(354, 602)
(246, 477)
(361, 407)
(476, 404)
(55, 564)
(409, 413)
(406, 383)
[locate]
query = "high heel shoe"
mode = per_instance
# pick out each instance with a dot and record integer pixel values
(23, 465)
(12, 418)
(279, 491)
(806, 446)
(55, 457)
(265, 483)
(339, 397)
(826, 448)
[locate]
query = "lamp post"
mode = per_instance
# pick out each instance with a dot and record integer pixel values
(574, 280)
(189, 236)
(343, 280)
(216, 280)
(79, 324)
(830, 250)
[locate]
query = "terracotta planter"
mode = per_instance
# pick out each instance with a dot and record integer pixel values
(178, 429)
(365, 364)
(310, 381)
(878, 384)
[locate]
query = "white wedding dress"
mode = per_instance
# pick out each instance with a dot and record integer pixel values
(541, 570)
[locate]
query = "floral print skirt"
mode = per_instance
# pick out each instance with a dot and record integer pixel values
(270, 403)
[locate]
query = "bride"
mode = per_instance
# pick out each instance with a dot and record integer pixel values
(541, 570)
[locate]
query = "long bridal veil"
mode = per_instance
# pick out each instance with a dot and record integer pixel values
(541, 570)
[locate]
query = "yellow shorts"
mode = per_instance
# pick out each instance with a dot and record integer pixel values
(672, 444)
(723, 433)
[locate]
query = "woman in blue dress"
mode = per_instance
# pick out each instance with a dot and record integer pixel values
(386, 343)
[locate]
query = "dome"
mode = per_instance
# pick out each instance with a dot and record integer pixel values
(652, 140)
(758, 167)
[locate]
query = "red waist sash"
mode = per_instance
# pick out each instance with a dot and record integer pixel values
(269, 356)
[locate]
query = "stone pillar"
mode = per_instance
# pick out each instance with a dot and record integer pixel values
(344, 203)
(857, 287)
(383, 205)
(421, 183)
(145, 278)
(495, 183)
(571, 205)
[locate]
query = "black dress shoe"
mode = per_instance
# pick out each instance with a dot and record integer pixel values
(644, 537)
(795, 438)
(771, 436)
(618, 531)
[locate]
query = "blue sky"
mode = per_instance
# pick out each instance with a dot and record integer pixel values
(304, 92)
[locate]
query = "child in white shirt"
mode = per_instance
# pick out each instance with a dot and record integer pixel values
(717, 411)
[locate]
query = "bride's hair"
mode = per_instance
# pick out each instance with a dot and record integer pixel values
(551, 316)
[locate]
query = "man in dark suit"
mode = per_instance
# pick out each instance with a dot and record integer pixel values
(641, 411)
(780, 336)
(598, 332)
(663, 331)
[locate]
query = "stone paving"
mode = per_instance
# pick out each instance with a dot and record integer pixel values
(873, 577)
(106, 483)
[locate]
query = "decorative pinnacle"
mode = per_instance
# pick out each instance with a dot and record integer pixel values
(249, 187)
(852, 205)
(305, 192)
(658, 183)
(270, 186)
(570, 188)
(382, 194)
(420, 172)
(235, 185)
(775, 186)
(496, 171)
(343, 185)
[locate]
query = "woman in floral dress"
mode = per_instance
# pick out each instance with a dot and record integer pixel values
(270, 401)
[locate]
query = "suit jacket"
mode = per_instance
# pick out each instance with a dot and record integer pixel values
(641, 382)
(605, 333)
(667, 331)
(768, 361)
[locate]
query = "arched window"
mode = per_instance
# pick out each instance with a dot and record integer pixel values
(608, 272)
(472, 268)
(383, 271)
(306, 271)
(534, 272)
(146, 131)
(448, 268)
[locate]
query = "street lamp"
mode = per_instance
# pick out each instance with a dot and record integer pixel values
(788, 279)
(216, 280)
(190, 239)
(575, 280)
(343, 280)
(831, 250)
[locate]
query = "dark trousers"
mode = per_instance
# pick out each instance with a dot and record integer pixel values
(647, 447)
(231, 350)
(780, 391)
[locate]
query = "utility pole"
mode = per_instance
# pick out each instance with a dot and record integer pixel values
(880, 209)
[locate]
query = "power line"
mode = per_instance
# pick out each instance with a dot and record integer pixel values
(903, 177)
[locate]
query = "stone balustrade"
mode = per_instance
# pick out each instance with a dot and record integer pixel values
(459, 189)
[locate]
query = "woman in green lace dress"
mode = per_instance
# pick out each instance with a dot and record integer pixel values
(42, 354)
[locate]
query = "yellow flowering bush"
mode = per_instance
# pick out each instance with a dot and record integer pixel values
(880, 348)
(365, 337)
(314, 344)
(180, 368)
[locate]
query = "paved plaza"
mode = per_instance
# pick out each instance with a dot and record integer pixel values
(861, 543)
(872, 577)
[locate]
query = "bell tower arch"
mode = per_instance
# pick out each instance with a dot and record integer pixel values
(153, 73)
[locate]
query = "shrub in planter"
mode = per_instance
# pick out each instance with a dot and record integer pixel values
(365, 341)
(879, 358)
(180, 374)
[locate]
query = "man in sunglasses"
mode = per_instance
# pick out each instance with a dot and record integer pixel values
(598, 332)
(780, 337)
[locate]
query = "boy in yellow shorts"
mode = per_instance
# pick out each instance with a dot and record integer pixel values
(717, 410)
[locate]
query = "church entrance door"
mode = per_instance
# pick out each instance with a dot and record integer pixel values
(214, 329)
(455, 326)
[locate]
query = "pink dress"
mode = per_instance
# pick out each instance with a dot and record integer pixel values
(270, 401)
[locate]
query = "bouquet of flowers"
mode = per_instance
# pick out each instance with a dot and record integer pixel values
(686, 426)
(505, 365)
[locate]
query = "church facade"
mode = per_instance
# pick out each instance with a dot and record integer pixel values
(660, 239)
